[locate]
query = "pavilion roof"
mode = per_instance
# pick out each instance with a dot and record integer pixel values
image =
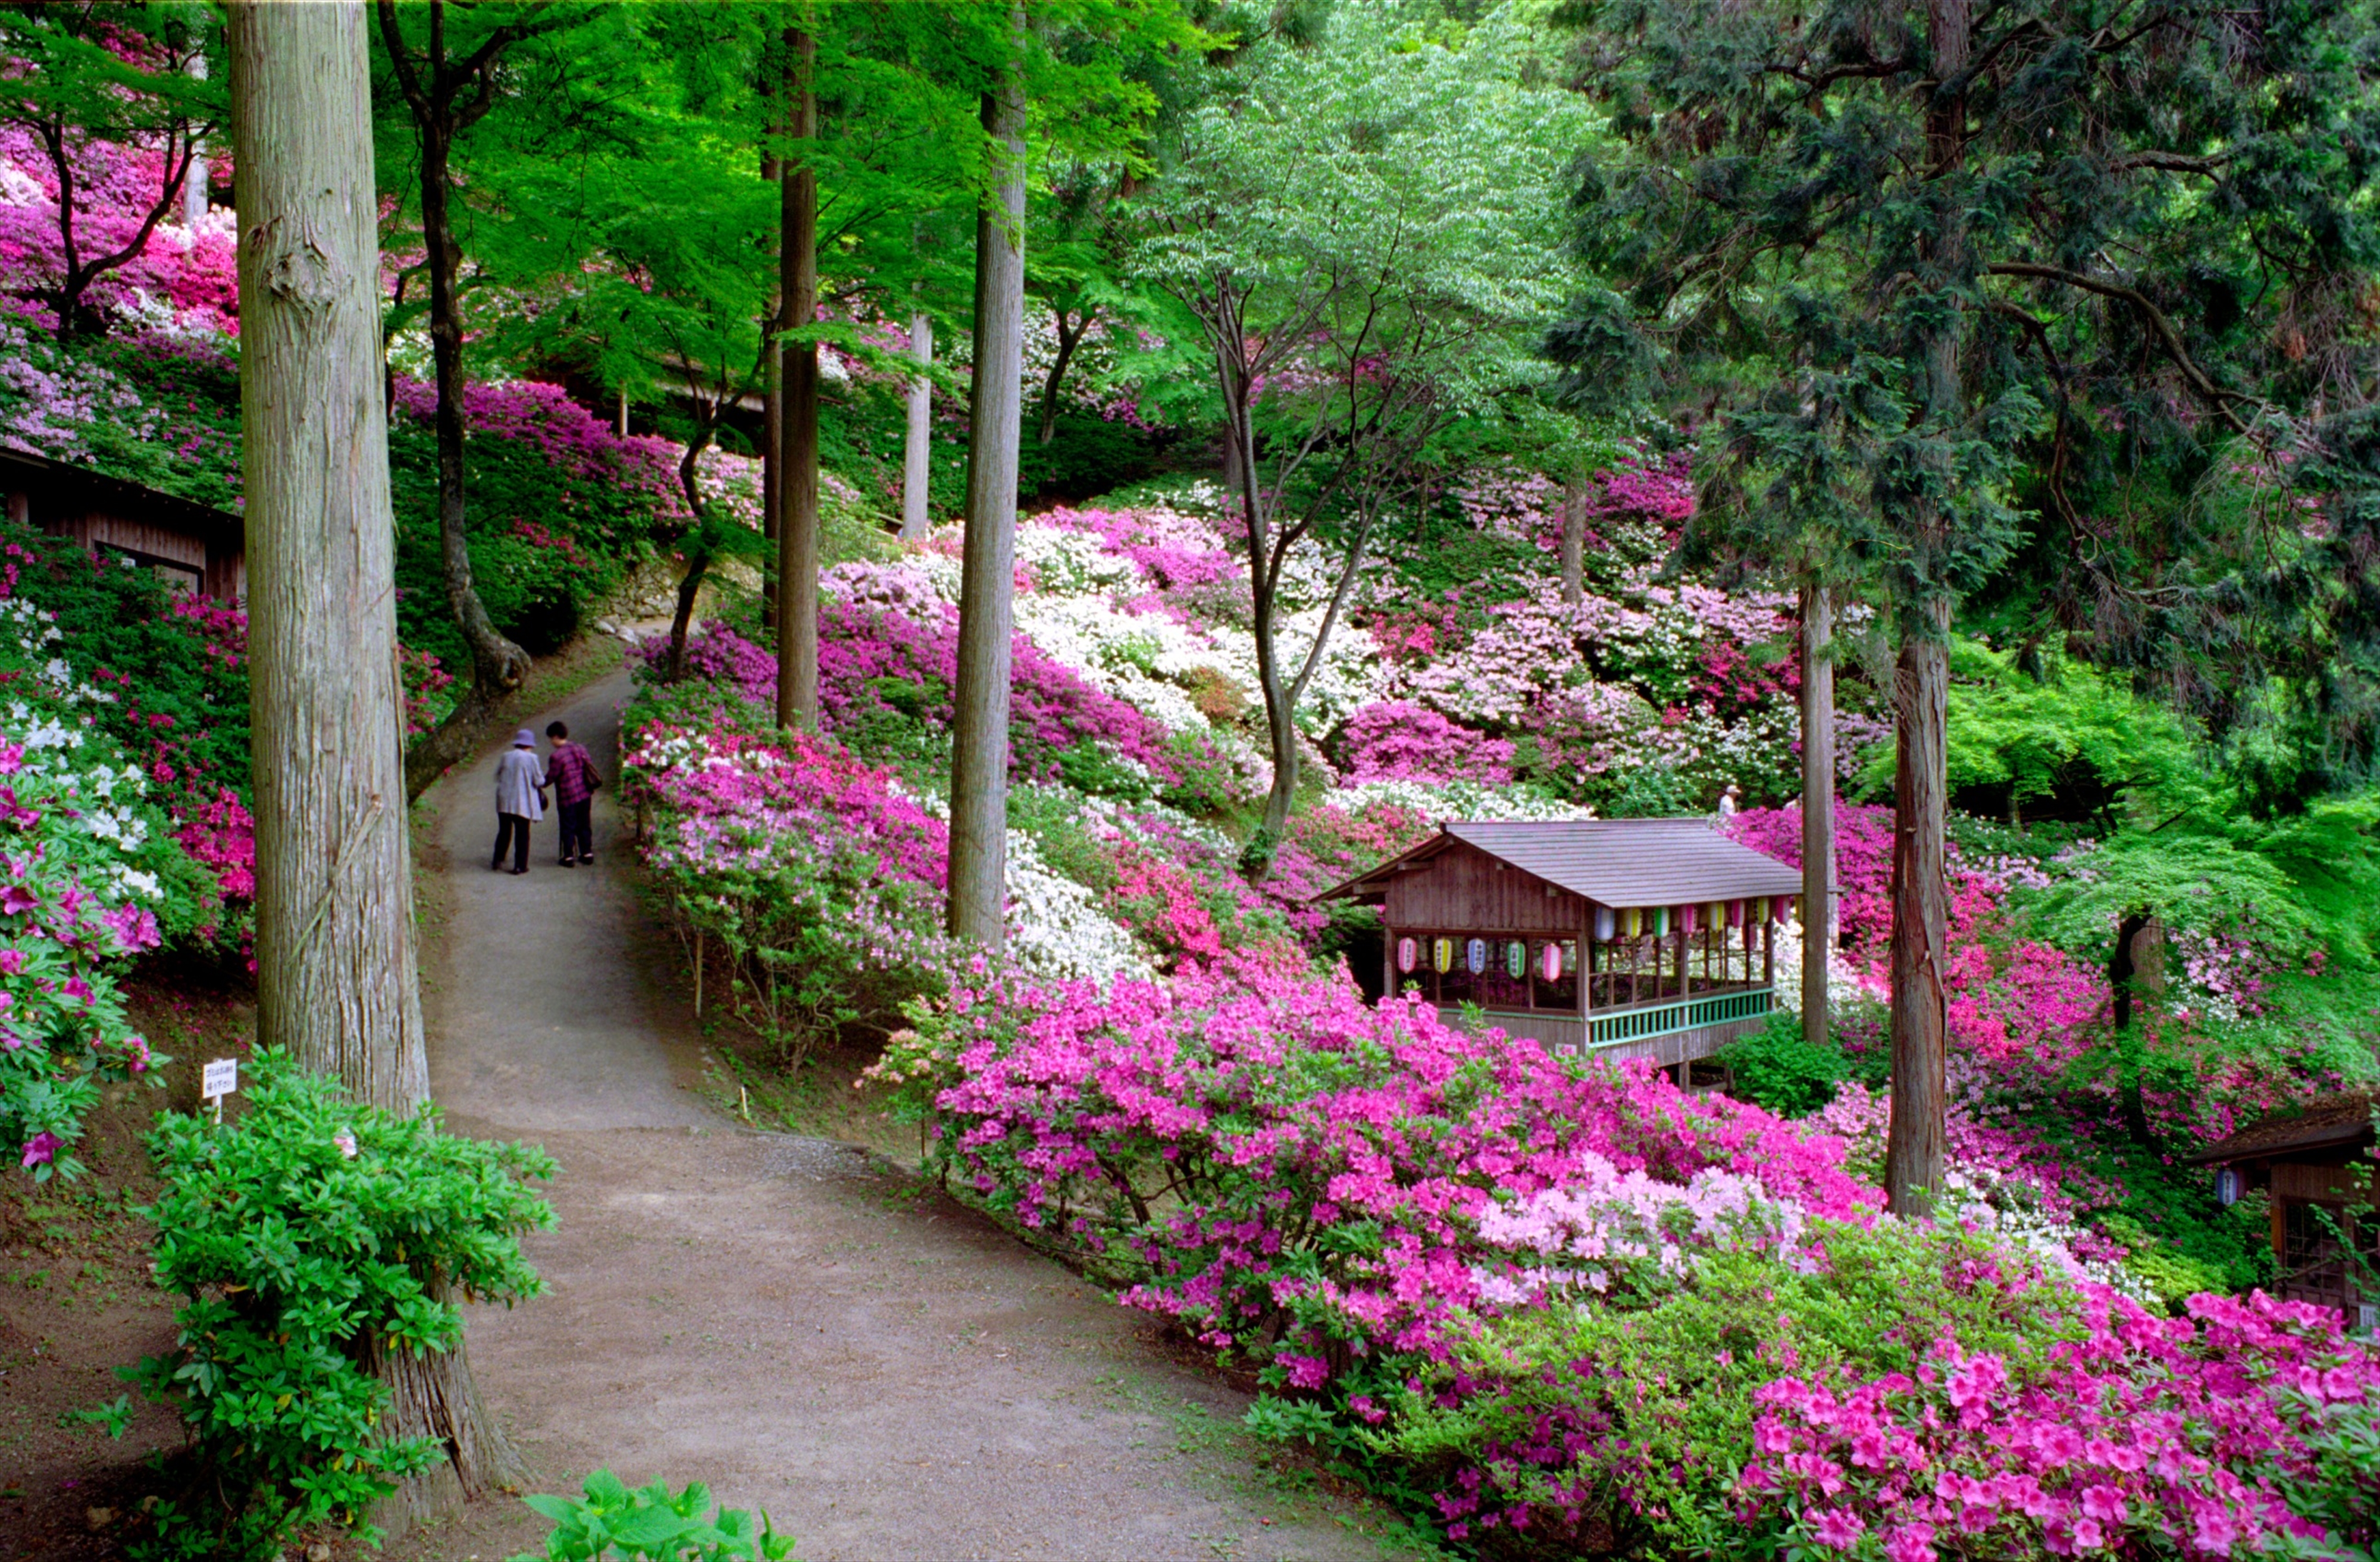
(1612, 862)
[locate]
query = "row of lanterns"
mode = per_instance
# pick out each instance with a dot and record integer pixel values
(1556, 961)
(1634, 922)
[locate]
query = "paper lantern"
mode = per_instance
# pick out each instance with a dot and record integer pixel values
(1631, 921)
(1660, 922)
(1603, 924)
(1735, 910)
(1687, 917)
(1761, 910)
(1516, 959)
(1717, 914)
(1549, 963)
(1408, 951)
(1475, 956)
(1443, 953)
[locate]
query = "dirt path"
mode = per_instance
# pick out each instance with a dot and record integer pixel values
(787, 1319)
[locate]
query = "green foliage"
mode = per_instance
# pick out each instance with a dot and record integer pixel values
(1779, 1069)
(1688, 1365)
(543, 542)
(119, 622)
(2019, 734)
(309, 1239)
(651, 1523)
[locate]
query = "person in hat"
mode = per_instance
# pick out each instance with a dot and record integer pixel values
(1730, 800)
(572, 770)
(520, 799)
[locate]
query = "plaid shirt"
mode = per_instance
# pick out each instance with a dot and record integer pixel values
(572, 774)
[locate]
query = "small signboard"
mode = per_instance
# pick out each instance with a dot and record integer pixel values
(221, 1078)
(2227, 1186)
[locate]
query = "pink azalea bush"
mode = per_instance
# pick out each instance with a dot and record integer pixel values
(815, 877)
(1397, 740)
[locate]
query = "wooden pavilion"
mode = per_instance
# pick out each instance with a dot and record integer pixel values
(1626, 938)
(195, 547)
(2316, 1161)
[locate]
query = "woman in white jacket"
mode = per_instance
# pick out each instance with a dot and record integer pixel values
(520, 799)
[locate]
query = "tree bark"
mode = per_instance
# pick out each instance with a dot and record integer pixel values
(337, 960)
(1817, 813)
(1573, 544)
(916, 468)
(797, 538)
(1913, 1168)
(772, 399)
(1070, 336)
(979, 756)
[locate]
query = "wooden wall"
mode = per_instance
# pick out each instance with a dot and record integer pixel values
(1463, 890)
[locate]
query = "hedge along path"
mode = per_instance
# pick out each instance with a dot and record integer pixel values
(788, 1320)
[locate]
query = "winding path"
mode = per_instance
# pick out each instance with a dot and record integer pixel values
(787, 1319)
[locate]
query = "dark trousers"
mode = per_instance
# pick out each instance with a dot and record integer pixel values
(578, 825)
(512, 830)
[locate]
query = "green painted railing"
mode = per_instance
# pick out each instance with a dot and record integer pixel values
(1687, 1015)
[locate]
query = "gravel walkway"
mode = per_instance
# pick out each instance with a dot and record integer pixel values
(786, 1319)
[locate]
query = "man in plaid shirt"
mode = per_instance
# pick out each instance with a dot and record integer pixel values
(572, 772)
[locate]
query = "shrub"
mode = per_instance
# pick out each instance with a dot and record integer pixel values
(1778, 1070)
(309, 1239)
(651, 1522)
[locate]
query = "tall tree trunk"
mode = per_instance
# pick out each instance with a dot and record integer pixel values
(497, 664)
(1573, 544)
(1817, 812)
(797, 539)
(773, 437)
(1280, 725)
(697, 552)
(917, 466)
(1913, 1166)
(1069, 338)
(336, 966)
(979, 755)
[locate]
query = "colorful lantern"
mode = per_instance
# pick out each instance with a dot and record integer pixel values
(1660, 922)
(1632, 921)
(1549, 963)
(1516, 959)
(1475, 956)
(1717, 914)
(1687, 917)
(1603, 924)
(1443, 953)
(1408, 951)
(1763, 909)
(1735, 910)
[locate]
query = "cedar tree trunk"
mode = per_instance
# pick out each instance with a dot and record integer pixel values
(1913, 1163)
(1817, 812)
(1573, 544)
(797, 536)
(979, 755)
(336, 969)
(917, 456)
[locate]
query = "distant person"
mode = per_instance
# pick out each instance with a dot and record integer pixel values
(520, 799)
(1729, 802)
(572, 770)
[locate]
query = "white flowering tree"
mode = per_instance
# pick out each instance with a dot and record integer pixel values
(1366, 234)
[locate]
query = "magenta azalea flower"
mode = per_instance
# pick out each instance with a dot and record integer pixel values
(42, 1150)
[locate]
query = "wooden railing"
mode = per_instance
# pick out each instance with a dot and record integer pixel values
(1688, 1015)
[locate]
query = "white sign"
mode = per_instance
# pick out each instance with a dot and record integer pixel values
(221, 1079)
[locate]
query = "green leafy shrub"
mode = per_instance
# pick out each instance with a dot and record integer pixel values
(309, 1239)
(1779, 1069)
(612, 1521)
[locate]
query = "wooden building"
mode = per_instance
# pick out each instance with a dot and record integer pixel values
(195, 547)
(1628, 938)
(2315, 1162)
